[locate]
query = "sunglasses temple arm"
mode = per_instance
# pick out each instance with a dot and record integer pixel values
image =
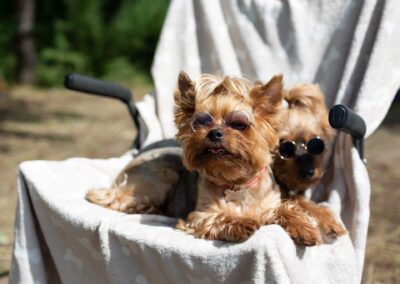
(344, 119)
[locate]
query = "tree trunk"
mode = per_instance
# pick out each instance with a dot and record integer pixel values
(26, 42)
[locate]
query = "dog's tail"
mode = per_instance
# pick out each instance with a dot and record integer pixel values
(102, 197)
(120, 197)
(109, 198)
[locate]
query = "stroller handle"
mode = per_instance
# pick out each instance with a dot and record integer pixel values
(89, 85)
(344, 119)
(93, 86)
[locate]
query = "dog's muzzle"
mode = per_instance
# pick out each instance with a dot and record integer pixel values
(306, 166)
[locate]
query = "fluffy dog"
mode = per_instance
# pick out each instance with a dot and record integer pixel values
(304, 147)
(226, 127)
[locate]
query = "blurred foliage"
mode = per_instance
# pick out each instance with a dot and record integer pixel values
(112, 39)
(8, 30)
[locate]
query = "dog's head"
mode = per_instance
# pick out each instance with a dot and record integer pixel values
(304, 138)
(226, 126)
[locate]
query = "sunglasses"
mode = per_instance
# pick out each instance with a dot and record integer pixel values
(289, 149)
(238, 120)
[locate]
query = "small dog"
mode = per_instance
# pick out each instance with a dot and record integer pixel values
(300, 159)
(225, 127)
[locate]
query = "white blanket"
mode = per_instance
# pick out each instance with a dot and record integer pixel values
(350, 47)
(63, 237)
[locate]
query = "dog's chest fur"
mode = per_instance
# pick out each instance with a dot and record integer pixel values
(252, 200)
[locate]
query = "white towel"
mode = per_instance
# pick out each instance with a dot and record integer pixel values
(91, 244)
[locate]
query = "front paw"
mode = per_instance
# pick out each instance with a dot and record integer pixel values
(332, 228)
(300, 226)
(304, 234)
(219, 226)
(235, 229)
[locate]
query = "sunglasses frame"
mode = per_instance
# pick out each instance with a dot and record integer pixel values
(304, 146)
(224, 124)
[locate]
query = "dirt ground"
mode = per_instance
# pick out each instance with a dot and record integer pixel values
(58, 124)
(382, 263)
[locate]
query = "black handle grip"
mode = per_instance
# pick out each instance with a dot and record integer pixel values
(344, 119)
(89, 85)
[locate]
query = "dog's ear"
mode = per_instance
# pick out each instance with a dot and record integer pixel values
(267, 99)
(184, 98)
(306, 96)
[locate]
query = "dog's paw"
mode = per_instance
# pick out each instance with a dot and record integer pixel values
(304, 234)
(328, 224)
(332, 228)
(237, 229)
(222, 227)
(300, 226)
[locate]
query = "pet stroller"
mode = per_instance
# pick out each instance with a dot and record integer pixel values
(348, 47)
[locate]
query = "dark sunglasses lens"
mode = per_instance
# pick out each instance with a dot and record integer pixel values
(287, 149)
(237, 120)
(202, 120)
(315, 146)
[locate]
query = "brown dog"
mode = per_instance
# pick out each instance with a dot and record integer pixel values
(300, 160)
(225, 127)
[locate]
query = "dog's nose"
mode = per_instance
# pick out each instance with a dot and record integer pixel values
(215, 135)
(306, 173)
(305, 165)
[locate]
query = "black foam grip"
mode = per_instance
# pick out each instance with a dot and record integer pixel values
(344, 119)
(89, 85)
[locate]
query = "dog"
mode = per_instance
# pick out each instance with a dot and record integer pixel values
(227, 129)
(304, 147)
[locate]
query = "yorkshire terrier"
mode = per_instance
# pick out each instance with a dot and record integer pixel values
(304, 147)
(227, 129)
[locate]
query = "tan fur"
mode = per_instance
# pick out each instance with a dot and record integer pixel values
(298, 223)
(306, 117)
(227, 207)
(142, 186)
(323, 216)
(235, 219)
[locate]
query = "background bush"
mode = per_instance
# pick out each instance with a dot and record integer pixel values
(112, 39)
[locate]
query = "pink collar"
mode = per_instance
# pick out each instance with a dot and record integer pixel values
(255, 180)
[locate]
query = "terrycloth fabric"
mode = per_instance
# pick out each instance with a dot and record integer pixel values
(351, 48)
(91, 244)
(148, 117)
